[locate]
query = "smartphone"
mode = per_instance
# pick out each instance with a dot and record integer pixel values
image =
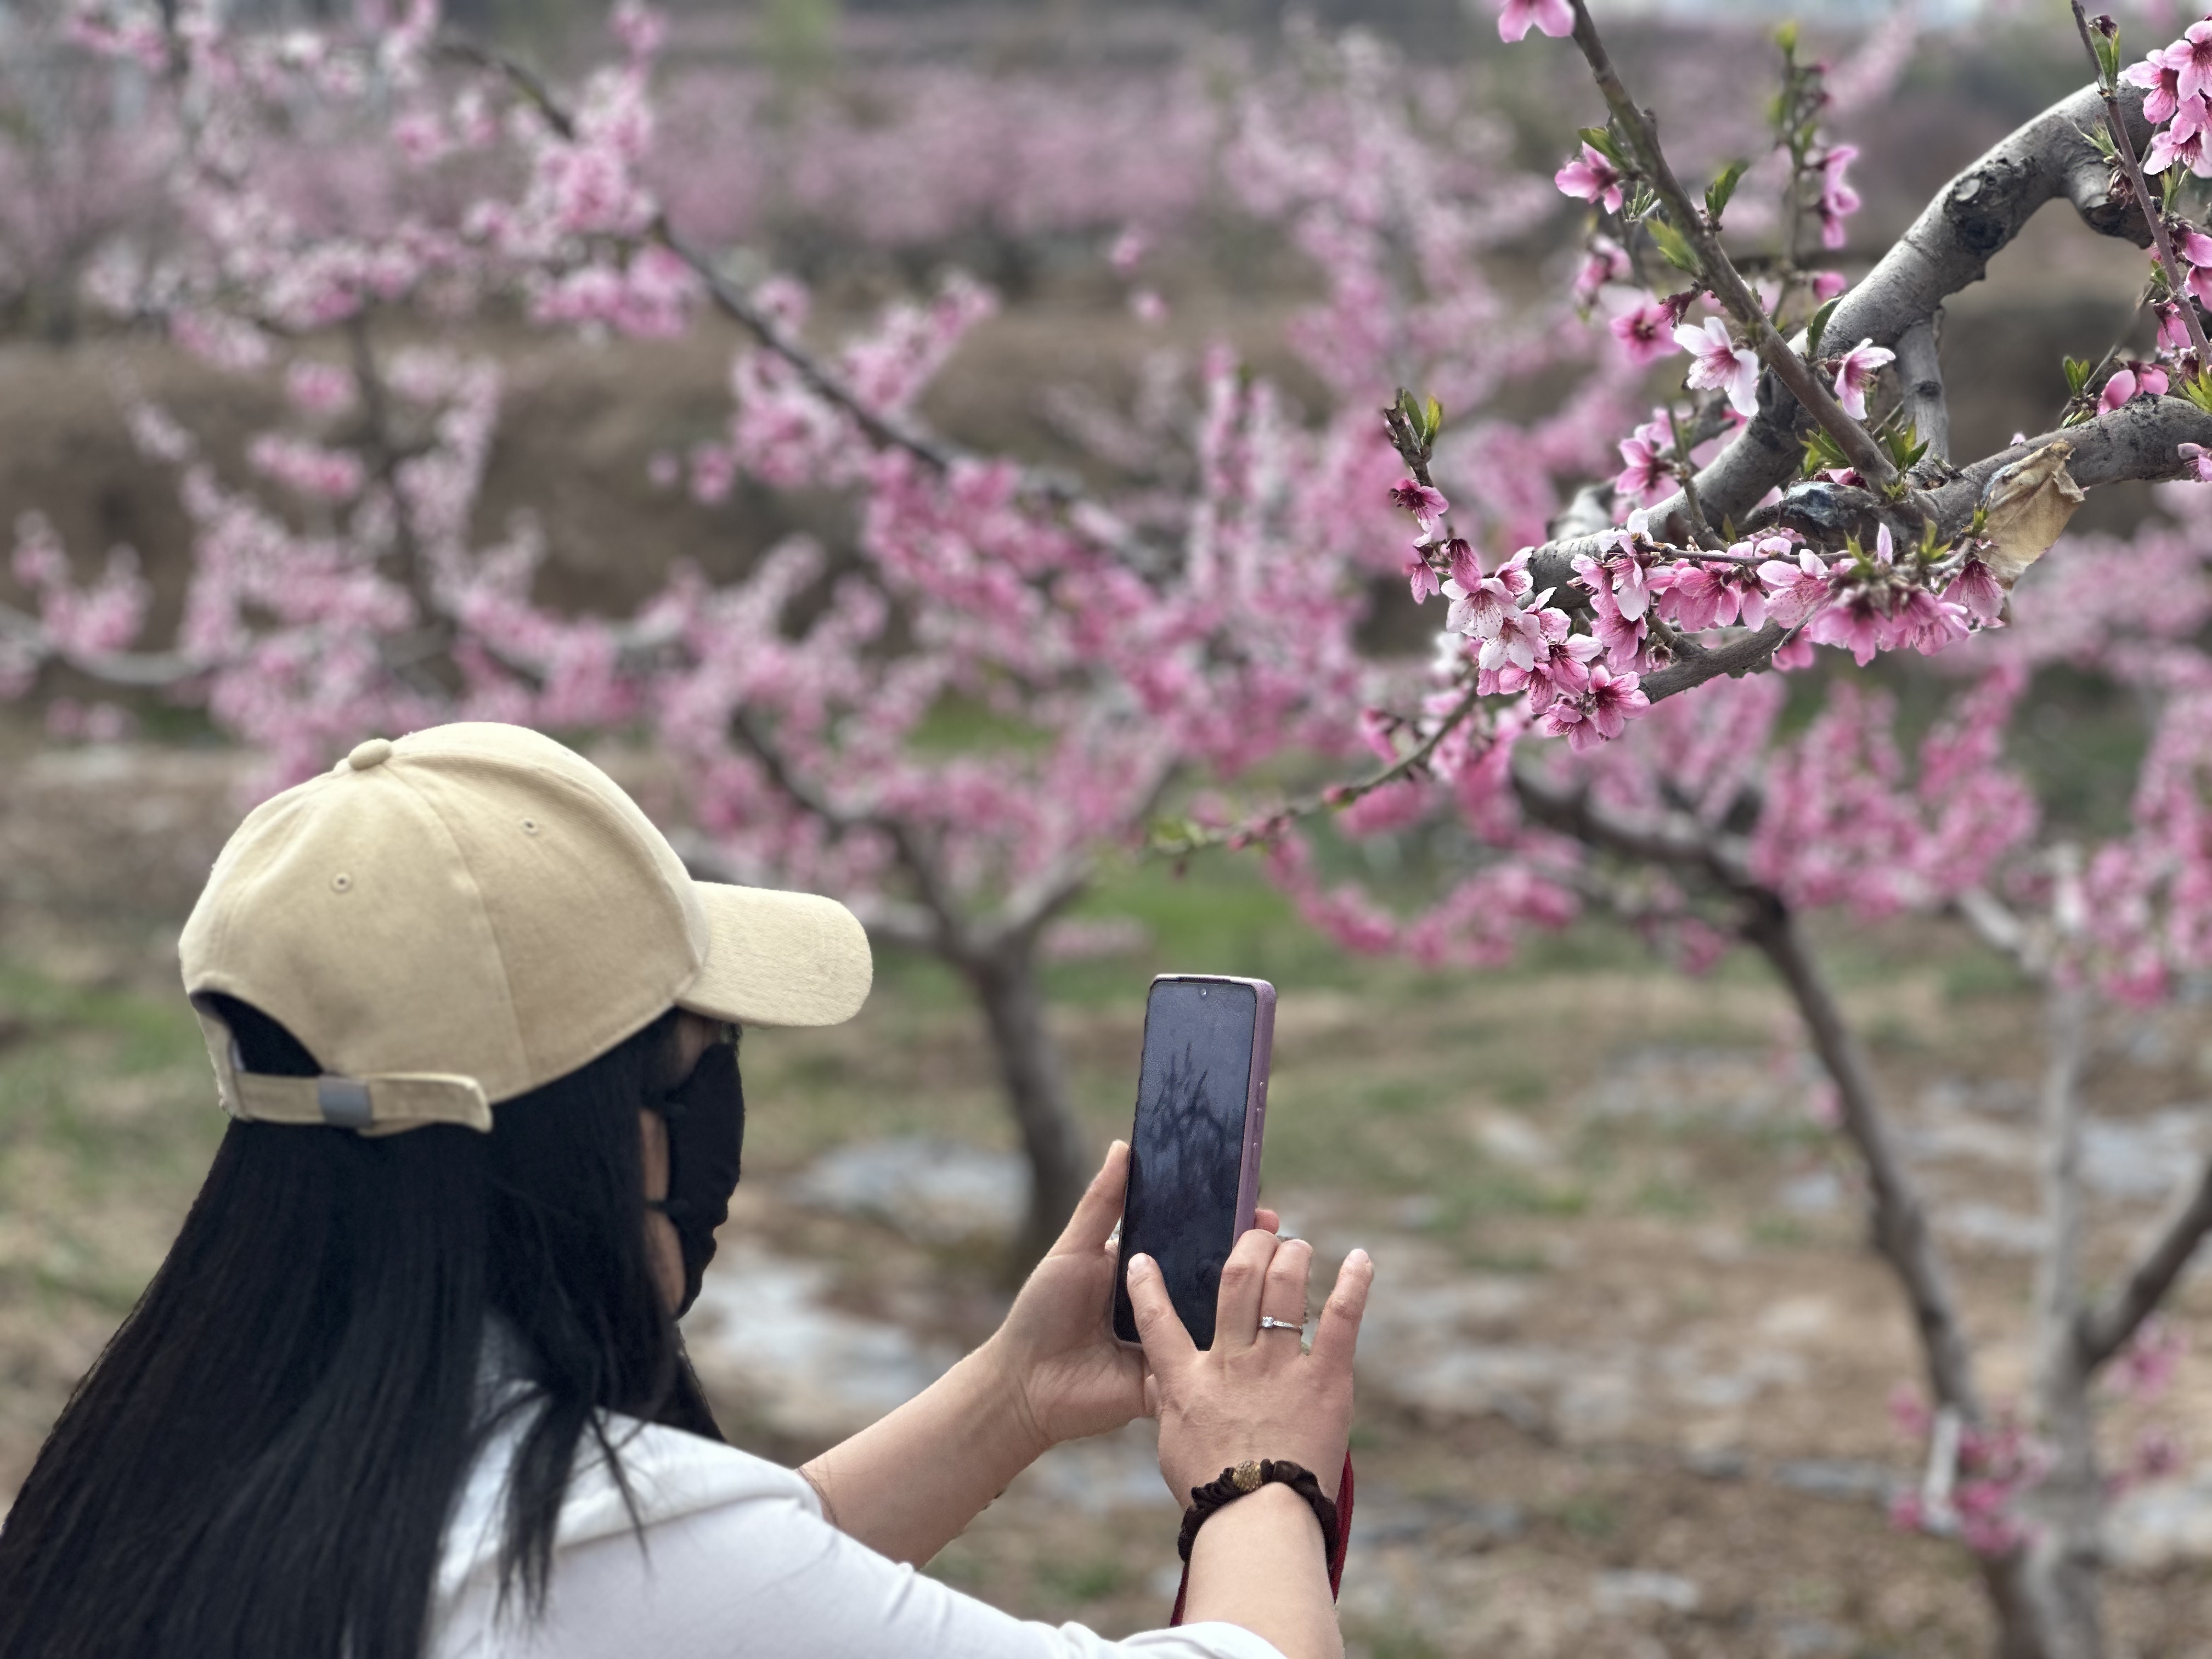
(1194, 1150)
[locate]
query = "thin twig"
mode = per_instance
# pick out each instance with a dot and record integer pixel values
(1719, 273)
(2154, 214)
(1191, 838)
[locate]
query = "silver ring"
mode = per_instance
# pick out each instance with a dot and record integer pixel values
(1269, 1323)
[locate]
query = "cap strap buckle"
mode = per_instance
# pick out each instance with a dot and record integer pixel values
(344, 1102)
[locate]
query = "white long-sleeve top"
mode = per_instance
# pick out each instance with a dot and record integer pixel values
(735, 1561)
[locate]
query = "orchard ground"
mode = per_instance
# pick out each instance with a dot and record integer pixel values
(1625, 1377)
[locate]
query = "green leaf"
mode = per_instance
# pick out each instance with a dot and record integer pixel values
(2169, 184)
(2096, 135)
(2108, 56)
(1718, 191)
(1672, 245)
(2199, 390)
(1601, 141)
(2077, 375)
(1638, 203)
(1434, 421)
(1821, 453)
(1786, 37)
(1819, 327)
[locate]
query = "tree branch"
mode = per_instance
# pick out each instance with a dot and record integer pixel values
(2104, 1330)
(1900, 1228)
(1948, 248)
(1920, 375)
(2176, 275)
(1719, 273)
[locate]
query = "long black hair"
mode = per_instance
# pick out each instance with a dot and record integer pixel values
(262, 1463)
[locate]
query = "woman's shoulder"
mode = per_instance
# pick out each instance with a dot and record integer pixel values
(657, 1475)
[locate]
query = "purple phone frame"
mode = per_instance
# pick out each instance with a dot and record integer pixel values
(1255, 1094)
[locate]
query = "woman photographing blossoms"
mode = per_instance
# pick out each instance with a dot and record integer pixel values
(410, 1383)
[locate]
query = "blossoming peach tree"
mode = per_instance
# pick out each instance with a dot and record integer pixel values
(341, 583)
(1600, 723)
(1790, 498)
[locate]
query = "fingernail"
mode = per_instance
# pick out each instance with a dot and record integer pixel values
(1359, 1256)
(1139, 1263)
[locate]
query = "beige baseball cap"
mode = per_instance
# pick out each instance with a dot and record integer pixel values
(453, 919)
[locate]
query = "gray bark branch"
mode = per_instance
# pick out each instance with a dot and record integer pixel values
(1899, 1222)
(1948, 248)
(1920, 379)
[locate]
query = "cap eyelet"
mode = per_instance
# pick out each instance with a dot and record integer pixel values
(340, 884)
(529, 826)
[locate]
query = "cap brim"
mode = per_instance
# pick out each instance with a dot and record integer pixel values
(777, 958)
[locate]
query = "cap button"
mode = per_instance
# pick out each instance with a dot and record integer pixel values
(373, 752)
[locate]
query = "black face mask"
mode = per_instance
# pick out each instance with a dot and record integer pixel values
(705, 1119)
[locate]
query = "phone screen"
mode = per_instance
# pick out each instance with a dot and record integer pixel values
(1187, 1151)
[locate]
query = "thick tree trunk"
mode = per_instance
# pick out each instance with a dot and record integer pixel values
(1036, 1088)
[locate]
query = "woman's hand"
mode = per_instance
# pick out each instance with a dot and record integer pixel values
(1254, 1393)
(1069, 1375)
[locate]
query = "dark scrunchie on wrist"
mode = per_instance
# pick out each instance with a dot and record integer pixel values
(1247, 1478)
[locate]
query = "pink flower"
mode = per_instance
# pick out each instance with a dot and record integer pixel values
(2163, 82)
(2183, 138)
(1425, 504)
(2145, 1368)
(1520, 635)
(1718, 361)
(1481, 608)
(2192, 58)
(1795, 592)
(2130, 381)
(1975, 590)
(1827, 284)
(1603, 262)
(2199, 458)
(1591, 176)
(1838, 201)
(1421, 578)
(1646, 478)
(1552, 17)
(1699, 596)
(1599, 715)
(1855, 375)
(1645, 333)
(1460, 560)
(2158, 1454)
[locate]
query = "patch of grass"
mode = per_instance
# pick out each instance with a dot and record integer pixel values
(1486, 1259)
(1778, 1232)
(1085, 1581)
(1670, 1199)
(1523, 1085)
(1982, 974)
(1398, 1097)
(1489, 1191)
(1588, 1515)
(956, 1566)
(1392, 1641)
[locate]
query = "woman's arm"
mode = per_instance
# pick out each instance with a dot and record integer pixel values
(907, 1484)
